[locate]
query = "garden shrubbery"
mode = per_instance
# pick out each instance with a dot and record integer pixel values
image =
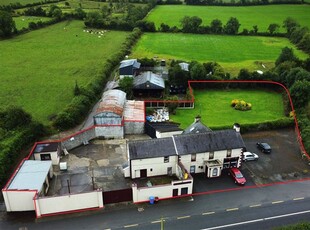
(241, 105)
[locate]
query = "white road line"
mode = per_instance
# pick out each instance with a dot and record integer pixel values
(257, 220)
(299, 198)
(183, 217)
(207, 213)
(232, 209)
(255, 205)
(277, 202)
(131, 225)
(156, 221)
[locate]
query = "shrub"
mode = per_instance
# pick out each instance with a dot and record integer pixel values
(241, 105)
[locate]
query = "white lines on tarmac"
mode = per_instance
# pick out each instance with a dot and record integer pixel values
(232, 209)
(207, 213)
(183, 217)
(299, 198)
(277, 202)
(257, 220)
(131, 225)
(255, 205)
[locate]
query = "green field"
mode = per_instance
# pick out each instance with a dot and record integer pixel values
(232, 52)
(39, 69)
(214, 108)
(248, 16)
(23, 21)
(22, 2)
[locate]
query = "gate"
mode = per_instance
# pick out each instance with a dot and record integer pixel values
(117, 196)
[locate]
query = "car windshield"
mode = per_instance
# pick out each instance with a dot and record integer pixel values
(239, 175)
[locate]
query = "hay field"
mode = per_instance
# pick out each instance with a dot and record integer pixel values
(248, 16)
(39, 69)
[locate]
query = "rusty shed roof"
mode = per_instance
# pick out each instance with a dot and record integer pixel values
(134, 111)
(112, 101)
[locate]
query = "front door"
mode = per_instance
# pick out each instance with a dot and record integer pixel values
(175, 192)
(143, 173)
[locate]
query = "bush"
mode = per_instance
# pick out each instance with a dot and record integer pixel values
(241, 105)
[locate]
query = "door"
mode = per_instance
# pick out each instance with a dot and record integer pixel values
(175, 192)
(143, 173)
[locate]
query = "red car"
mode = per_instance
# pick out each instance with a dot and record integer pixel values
(237, 176)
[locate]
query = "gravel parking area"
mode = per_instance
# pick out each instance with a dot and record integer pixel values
(282, 164)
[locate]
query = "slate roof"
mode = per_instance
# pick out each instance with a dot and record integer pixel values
(46, 147)
(142, 149)
(186, 144)
(197, 127)
(148, 80)
(165, 126)
(130, 62)
(210, 141)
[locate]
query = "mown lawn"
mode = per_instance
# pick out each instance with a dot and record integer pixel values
(215, 109)
(248, 16)
(39, 69)
(232, 52)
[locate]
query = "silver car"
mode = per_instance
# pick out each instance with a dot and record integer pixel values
(248, 156)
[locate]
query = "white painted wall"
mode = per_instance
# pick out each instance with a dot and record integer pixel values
(16, 201)
(154, 166)
(66, 203)
(54, 157)
(163, 191)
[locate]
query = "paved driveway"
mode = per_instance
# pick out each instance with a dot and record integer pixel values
(283, 164)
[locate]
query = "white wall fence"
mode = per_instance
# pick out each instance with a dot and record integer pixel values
(143, 194)
(45, 206)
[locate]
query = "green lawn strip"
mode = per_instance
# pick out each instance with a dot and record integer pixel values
(23, 21)
(215, 109)
(233, 52)
(39, 69)
(248, 16)
(23, 2)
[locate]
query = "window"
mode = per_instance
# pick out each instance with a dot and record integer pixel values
(193, 157)
(166, 159)
(228, 153)
(211, 155)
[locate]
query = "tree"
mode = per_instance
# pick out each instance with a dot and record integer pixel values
(296, 74)
(197, 71)
(273, 27)
(244, 74)
(13, 118)
(290, 25)
(298, 34)
(164, 27)
(287, 54)
(232, 26)
(7, 24)
(190, 24)
(304, 43)
(255, 29)
(177, 76)
(300, 93)
(216, 26)
(93, 19)
(126, 85)
(80, 13)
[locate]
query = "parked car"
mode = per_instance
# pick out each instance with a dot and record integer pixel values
(248, 156)
(263, 147)
(237, 176)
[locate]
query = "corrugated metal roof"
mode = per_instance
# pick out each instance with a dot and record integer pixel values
(112, 101)
(156, 81)
(134, 111)
(130, 62)
(31, 175)
(186, 144)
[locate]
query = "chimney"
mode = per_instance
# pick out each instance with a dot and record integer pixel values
(237, 127)
(197, 118)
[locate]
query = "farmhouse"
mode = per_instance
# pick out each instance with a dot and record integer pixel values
(129, 68)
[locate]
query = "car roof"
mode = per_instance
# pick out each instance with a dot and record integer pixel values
(235, 170)
(247, 153)
(265, 145)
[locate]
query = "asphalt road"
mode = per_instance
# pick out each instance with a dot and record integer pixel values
(203, 211)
